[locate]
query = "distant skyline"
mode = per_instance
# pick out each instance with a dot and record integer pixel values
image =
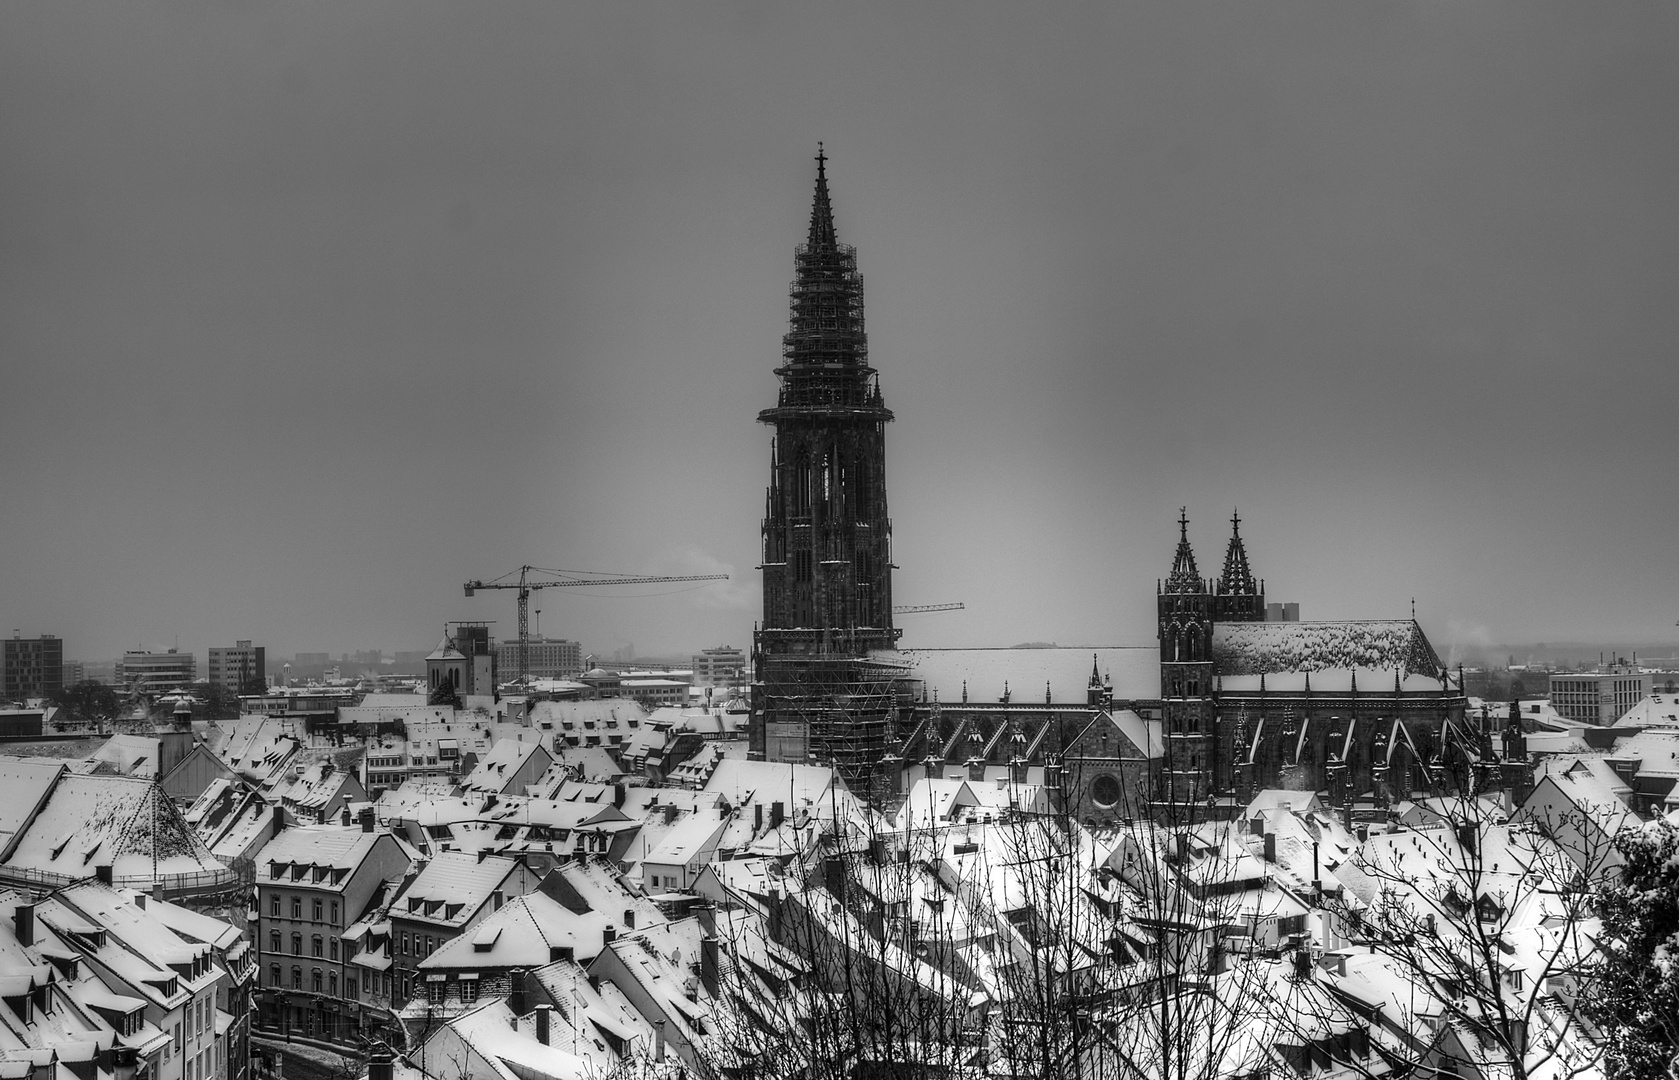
(309, 314)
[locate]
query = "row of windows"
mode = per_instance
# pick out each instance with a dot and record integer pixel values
(315, 908)
(316, 944)
(328, 983)
(330, 986)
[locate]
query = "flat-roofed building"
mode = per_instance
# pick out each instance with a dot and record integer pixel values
(1598, 697)
(156, 673)
(233, 668)
(545, 658)
(723, 666)
(34, 667)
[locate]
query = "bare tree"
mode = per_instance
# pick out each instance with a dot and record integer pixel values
(1013, 940)
(1480, 927)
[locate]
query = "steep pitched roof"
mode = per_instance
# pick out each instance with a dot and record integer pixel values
(1253, 648)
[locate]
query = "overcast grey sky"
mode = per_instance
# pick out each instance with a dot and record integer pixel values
(310, 312)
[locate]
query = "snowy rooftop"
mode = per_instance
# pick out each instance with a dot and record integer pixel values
(687, 840)
(23, 786)
(1657, 710)
(324, 855)
(87, 821)
(452, 887)
(1251, 648)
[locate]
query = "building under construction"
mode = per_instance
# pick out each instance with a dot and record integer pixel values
(820, 693)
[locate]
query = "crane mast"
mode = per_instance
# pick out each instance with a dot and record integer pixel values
(526, 585)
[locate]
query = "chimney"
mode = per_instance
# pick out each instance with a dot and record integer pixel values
(757, 818)
(516, 991)
(25, 919)
(629, 918)
(559, 952)
(708, 964)
(618, 796)
(659, 1039)
(544, 1013)
(157, 891)
(1271, 847)
(344, 818)
(279, 819)
(609, 935)
(833, 876)
(497, 898)
(102, 873)
(367, 819)
(778, 811)
(140, 900)
(380, 1065)
(775, 915)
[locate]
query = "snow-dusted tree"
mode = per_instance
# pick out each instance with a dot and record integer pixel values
(1473, 941)
(1637, 999)
(1005, 938)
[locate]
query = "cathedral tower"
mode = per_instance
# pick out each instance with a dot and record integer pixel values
(1240, 597)
(1185, 608)
(827, 543)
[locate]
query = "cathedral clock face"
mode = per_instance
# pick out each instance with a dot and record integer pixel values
(1105, 791)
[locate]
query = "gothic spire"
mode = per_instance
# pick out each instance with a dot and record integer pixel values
(1184, 577)
(1237, 578)
(821, 210)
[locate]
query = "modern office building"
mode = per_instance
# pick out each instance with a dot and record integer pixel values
(1598, 697)
(156, 673)
(723, 666)
(232, 668)
(545, 658)
(34, 667)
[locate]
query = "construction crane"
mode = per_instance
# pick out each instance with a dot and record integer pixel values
(916, 609)
(526, 585)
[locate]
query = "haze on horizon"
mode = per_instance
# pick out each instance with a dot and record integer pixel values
(308, 314)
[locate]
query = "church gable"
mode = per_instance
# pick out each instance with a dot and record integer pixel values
(1254, 648)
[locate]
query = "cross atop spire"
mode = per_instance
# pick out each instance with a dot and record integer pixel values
(1237, 577)
(1185, 578)
(821, 210)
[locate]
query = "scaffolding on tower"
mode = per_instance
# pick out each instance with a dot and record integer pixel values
(841, 701)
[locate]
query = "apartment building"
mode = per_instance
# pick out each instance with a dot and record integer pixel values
(233, 668)
(314, 883)
(34, 667)
(452, 894)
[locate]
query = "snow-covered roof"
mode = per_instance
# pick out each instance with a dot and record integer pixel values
(130, 824)
(687, 840)
(452, 887)
(23, 787)
(1657, 710)
(326, 856)
(496, 769)
(1249, 648)
(771, 782)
